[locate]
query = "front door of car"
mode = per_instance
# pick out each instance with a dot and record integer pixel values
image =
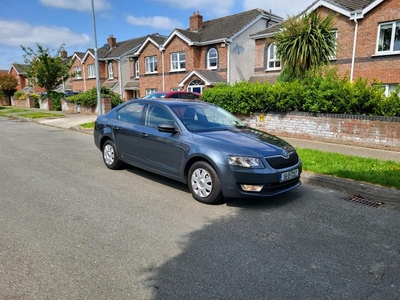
(161, 152)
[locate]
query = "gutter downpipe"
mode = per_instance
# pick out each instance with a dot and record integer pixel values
(228, 62)
(120, 79)
(354, 46)
(162, 67)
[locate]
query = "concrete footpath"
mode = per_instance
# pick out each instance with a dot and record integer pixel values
(362, 192)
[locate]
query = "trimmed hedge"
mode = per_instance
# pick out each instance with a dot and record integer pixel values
(89, 97)
(322, 91)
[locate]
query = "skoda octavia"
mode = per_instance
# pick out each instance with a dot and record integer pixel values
(199, 144)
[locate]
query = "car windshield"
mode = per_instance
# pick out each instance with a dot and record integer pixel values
(205, 117)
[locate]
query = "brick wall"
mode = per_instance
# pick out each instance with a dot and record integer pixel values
(373, 132)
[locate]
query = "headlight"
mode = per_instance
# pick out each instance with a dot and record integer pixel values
(245, 162)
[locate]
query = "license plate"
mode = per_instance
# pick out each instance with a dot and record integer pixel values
(289, 175)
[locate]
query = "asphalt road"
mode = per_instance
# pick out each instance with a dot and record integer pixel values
(72, 229)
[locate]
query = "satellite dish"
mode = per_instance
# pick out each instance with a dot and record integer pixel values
(106, 46)
(238, 50)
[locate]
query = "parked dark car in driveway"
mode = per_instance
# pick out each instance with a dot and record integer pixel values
(199, 144)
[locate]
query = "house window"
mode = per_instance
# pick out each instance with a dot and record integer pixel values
(389, 37)
(335, 33)
(273, 63)
(91, 71)
(137, 69)
(150, 91)
(389, 88)
(196, 86)
(151, 64)
(78, 73)
(110, 71)
(178, 61)
(212, 58)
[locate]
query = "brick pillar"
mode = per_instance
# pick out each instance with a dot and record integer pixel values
(105, 105)
(31, 102)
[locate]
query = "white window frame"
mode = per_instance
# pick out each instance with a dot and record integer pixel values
(151, 64)
(389, 88)
(213, 57)
(91, 71)
(150, 91)
(333, 57)
(78, 72)
(384, 49)
(137, 69)
(273, 59)
(178, 61)
(110, 70)
(196, 83)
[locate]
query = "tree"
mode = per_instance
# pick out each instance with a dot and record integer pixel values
(305, 42)
(45, 70)
(8, 85)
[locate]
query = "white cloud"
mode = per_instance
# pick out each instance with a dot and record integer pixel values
(212, 7)
(282, 8)
(79, 5)
(15, 33)
(156, 22)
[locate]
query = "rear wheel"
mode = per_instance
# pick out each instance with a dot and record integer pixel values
(110, 156)
(204, 183)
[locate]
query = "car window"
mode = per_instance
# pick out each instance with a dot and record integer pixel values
(188, 96)
(174, 96)
(131, 113)
(157, 115)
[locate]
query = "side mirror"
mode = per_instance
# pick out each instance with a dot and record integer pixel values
(165, 127)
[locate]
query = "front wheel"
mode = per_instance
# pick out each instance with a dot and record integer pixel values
(204, 183)
(110, 156)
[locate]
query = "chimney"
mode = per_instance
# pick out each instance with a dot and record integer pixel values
(63, 54)
(196, 21)
(112, 41)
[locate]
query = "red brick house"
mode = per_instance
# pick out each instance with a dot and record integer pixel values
(24, 84)
(208, 52)
(116, 67)
(368, 34)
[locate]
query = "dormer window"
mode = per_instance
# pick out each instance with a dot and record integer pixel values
(212, 59)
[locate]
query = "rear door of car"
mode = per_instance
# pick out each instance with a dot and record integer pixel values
(127, 131)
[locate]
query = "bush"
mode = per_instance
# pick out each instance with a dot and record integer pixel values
(89, 97)
(320, 91)
(20, 95)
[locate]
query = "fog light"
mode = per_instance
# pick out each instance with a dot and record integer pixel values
(251, 188)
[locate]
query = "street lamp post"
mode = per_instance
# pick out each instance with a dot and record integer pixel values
(99, 109)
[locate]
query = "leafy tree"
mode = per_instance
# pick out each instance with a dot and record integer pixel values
(304, 43)
(7, 85)
(46, 70)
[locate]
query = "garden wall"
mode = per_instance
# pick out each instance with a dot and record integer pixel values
(28, 102)
(69, 107)
(365, 131)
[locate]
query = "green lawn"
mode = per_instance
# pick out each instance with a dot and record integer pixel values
(382, 172)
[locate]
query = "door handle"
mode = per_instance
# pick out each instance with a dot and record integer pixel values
(143, 134)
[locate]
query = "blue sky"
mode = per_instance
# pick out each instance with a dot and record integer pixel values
(52, 23)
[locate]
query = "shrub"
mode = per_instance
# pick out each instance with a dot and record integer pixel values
(20, 95)
(89, 97)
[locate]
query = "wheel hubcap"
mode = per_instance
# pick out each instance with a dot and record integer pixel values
(108, 154)
(201, 183)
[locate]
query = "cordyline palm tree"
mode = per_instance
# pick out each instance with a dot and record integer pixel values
(305, 42)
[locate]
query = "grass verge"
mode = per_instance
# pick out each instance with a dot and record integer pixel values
(89, 125)
(375, 171)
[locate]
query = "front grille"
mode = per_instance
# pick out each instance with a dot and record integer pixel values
(281, 162)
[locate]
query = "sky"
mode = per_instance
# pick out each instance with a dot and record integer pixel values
(69, 23)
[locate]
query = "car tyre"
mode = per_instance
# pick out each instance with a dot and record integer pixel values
(204, 183)
(110, 156)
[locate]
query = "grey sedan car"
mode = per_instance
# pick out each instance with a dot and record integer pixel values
(199, 144)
